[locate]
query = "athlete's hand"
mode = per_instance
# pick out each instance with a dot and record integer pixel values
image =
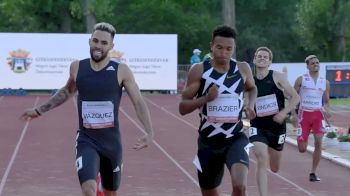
(143, 142)
(250, 113)
(294, 121)
(212, 93)
(279, 117)
(326, 114)
(29, 115)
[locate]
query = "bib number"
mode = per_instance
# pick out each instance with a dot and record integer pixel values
(266, 105)
(224, 109)
(97, 114)
(299, 131)
(252, 131)
(282, 139)
(311, 99)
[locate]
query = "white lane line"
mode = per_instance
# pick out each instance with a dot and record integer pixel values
(14, 154)
(162, 149)
(285, 179)
(188, 123)
(171, 114)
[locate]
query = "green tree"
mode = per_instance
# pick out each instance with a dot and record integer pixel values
(189, 19)
(268, 23)
(323, 27)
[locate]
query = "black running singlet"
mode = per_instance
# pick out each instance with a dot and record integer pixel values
(229, 84)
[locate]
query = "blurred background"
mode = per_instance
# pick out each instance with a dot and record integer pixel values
(291, 28)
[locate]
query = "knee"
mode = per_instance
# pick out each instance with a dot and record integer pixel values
(262, 158)
(88, 191)
(239, 189)
(302, 147)
(89, 187)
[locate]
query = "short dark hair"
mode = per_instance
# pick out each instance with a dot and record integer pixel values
(103, 26)
(224, 31)
(308, 58)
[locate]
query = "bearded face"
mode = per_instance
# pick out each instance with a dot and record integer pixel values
(100, 44)
(97, 54)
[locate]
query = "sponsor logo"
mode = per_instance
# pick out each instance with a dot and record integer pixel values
(19, 61)
(117, 55)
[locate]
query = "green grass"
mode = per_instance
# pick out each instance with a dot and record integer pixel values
(342, 101)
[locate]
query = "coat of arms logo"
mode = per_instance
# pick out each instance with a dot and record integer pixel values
(19, 61)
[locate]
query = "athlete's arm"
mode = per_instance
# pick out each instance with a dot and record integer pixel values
(188, 104)
(250, 88)
(61, 96)
(297, 86)
(127, 80)
(293, 100)
(326, 103)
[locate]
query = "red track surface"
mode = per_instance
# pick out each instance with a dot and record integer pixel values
(37, 158)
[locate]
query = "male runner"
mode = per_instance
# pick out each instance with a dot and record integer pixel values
(268, 129)
(314, 107)
(99, 82)
(216, 88)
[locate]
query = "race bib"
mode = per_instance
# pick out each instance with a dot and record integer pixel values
(282, 139)
(97, 114)
(299, 132)
(311, 99)
(224, 109)
(252, 131)
(266, 105)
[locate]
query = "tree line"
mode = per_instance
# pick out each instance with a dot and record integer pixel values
(293, 29)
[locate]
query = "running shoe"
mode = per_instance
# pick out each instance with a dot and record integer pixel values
(314, 178)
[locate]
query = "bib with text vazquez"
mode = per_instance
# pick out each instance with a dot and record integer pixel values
(97, 114)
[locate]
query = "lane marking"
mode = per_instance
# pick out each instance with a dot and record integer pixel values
(285, 179)
(162, 149)
(171, 114)
(188, 123)
(14, 154)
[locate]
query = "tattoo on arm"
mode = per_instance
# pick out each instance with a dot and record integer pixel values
(60, 97)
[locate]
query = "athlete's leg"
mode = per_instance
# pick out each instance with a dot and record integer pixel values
(87, 163)
(261, 154)
(318, 132)
(210, 192)
(239, 173)
(275, 159)
(237, 161)
(316, 156)
(302, 139)
(111, 166)
(110, 193)
(89, 188)
(210, 169)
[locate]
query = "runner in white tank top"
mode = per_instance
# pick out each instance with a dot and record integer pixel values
(314, 107)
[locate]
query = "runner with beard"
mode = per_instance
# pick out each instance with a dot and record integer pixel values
(314, 107)
(99, 82)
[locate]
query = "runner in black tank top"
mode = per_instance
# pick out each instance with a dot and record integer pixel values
(99, 81)
(268, 129)
(220, 143)
(98, 140)
(215, 88)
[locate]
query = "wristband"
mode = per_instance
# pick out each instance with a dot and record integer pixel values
(37, 112)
